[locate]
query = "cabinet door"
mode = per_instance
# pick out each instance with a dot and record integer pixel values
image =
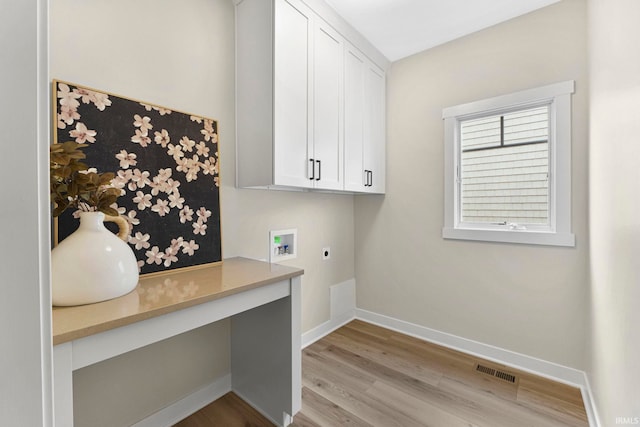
(327, 107)
(374, 129)
(293, 30)
(354, 72)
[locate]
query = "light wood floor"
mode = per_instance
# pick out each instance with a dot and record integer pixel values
(363, 375)
(228, 411)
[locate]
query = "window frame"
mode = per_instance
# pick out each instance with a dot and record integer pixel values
(558, 232)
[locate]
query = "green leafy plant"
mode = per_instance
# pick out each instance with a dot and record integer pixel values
(74, 185)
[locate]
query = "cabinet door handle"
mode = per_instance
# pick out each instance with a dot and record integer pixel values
(319, 170)
(368, 178)
(313, 170)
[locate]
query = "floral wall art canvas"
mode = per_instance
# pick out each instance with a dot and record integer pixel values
(167, 168)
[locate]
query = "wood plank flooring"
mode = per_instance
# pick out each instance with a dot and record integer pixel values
(364, 375)
(228, 411)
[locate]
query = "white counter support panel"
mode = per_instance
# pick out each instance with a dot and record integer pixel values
(264, 360)
(262, 301)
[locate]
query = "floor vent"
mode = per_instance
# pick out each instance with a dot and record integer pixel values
(505, 376)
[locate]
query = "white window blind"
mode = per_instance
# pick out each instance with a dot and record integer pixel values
(505, 168)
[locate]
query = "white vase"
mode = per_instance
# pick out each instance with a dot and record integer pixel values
(93, 264)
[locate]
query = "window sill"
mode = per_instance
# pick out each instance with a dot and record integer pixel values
(508, 236)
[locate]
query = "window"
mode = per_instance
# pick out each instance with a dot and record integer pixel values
(504, 168)
(508, 168)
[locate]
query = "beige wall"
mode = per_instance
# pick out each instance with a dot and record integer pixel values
(614, 207)
(180, 54)
(527, 299)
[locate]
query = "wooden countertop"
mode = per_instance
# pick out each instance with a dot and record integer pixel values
(162, 294)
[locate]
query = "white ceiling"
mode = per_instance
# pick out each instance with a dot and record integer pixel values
(399, 28)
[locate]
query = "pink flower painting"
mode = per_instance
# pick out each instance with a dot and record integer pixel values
(165, 164)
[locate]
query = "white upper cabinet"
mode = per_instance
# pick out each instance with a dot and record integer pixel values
(374, 129)
(303, 109)
(327, 111)
(364, 101)
(354, 105)
(292, 138)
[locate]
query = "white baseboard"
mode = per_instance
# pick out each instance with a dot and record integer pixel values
(590, 403)
(499, 355)
(325, 328)
(342, 309)
(496, 354)
(181, 409)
